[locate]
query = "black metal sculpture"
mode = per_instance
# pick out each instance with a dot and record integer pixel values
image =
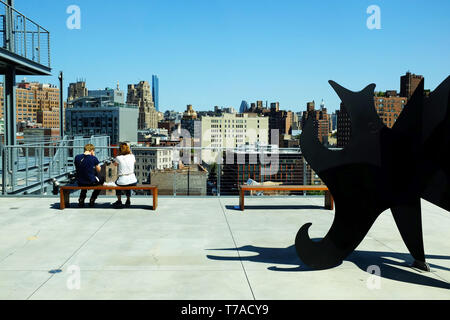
(381, 168)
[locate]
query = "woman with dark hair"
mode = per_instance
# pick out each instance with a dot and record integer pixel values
(125, 162)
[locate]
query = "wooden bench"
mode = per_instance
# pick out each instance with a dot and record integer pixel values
(65, 192)
(328, 196)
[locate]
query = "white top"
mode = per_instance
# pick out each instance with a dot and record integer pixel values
(125, 170)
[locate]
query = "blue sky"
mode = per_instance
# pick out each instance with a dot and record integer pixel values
(217, 52)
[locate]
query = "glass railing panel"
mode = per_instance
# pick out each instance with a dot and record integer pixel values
(176, 171)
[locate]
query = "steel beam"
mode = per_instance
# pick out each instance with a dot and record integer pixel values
(10, 106)
(61, 106)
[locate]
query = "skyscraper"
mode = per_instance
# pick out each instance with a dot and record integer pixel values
(77, 90)
(275, 106)
(322, 119)
(408, 84)
(141, 95)
(244, 107)
(281, 121)
(333, 121)
(155, 91)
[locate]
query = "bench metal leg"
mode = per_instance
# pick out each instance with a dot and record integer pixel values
(155, 199)
(241, 199)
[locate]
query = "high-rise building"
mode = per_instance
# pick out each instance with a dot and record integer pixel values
(322, 120)
(295, 124)
(190, 113)
(113, 95)
(89, 116)
(232, 130)
(244, 107)
(35, 102)
(387, 106)
(141, 95)
(259, 104)
(344, 126)
(155, 91)
(77, 90)
(275, 106)
(281, 121)
(333, 121)
(257, 107)
(191, 125)
(408, 84)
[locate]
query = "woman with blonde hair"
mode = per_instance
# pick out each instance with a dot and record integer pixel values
(125, 162)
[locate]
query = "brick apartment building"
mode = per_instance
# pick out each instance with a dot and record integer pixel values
(388, 106)
(409, 83)
(35, 102)
(322, 120)
(280, 120)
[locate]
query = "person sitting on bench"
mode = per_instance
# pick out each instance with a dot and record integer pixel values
(125, 162)
(87, 170)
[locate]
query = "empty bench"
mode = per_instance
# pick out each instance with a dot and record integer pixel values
(243, 188)
(65, 192)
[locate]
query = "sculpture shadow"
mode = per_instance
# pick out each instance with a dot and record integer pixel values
(273, 207)
(391, 263)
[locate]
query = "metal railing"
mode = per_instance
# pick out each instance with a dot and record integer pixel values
(28, 39)
(31, 167)
(176, 171)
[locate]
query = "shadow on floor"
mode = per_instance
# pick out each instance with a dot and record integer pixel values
(273, 207)
(387, 261)
(100, 205)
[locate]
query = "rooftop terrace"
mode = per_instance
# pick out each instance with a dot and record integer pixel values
(203, 248)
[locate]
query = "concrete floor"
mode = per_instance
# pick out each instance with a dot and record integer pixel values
(203, 248)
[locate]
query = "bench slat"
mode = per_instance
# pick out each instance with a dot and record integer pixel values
(285, 187)
(109, 188)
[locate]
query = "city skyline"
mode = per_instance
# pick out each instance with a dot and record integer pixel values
(220, 53)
